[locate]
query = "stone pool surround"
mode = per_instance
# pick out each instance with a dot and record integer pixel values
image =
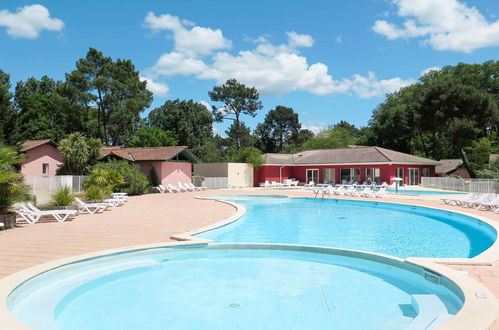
(476, 313)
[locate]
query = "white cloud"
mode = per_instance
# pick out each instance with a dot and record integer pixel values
(156, 88)
(206, 104)
(272, 69)
(444, 24)
(314, 126)
(433, 68)
(300, 40)
(176, 63)
(29, 21)
(189, 39)
(339, 39)
(264, 38)
(370, 86)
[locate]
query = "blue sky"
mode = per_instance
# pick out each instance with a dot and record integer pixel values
(328, 60)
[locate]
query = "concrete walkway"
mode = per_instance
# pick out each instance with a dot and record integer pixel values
(154, 218)
(143, 219)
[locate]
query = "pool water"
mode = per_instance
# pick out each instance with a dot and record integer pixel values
(392, 229)
(229, 287)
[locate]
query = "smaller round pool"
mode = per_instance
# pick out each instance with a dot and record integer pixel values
(237, 286)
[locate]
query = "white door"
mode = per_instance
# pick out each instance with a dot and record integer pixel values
(313, 175)
(413, 176)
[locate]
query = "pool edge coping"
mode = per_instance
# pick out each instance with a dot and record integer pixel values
(475, 313)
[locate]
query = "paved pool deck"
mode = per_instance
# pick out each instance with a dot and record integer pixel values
(154, 218)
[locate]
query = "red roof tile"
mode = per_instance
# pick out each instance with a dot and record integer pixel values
(30, 144)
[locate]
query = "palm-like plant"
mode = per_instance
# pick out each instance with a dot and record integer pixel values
(12, 188)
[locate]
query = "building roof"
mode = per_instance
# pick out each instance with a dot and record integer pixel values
(448, 165)
(348, 155)
(149, 153)
(31, 144)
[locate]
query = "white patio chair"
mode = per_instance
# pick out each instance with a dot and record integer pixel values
(492, 205)
(481, 199)
(458, 201)
(173, 189)
(32, 214)
(310, 184)
(91, 207)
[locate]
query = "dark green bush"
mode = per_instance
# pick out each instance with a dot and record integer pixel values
(134, 182)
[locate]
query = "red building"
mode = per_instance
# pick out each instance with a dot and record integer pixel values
(357, 163)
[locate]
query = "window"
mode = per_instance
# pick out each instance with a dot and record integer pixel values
(426, 172)
(349, 174)
(413, 176)
(399, 172)
(373, 173)
(313, 175)
(45, 169)
(328, 175)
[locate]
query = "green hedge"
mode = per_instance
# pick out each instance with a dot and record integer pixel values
(135, 183)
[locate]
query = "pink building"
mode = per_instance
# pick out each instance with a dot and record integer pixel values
(41, 157)
(169, 164)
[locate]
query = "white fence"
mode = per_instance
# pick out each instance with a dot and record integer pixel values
(44, 186)
(468, 185)
(211, 182)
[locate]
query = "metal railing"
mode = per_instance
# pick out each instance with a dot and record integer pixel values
(44, 186)
(457, 184)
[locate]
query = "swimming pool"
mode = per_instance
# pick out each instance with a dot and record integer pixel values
(392, 229)
(220, 286)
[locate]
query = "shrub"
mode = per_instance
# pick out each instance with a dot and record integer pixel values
(134, 182)
(63, 196)
(12, 188)
(96, 193)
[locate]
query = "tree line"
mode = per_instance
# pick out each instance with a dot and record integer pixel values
(449, 113)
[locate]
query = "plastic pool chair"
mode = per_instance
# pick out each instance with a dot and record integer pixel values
(172, 188)
(485, 198)
(492, 205)
(381, 192)
(91, 207)
(32, 214)
(365, 193)
(458, 201)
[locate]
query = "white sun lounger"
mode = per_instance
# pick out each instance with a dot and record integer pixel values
(364, 193)
(161, 189)
(173, 189)
(492, 205)
(458, 201)
(32, 214)
(195, 187)
(485, 198)
(91, 207)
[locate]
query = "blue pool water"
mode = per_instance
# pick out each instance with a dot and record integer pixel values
(392, 229)
(230, 287)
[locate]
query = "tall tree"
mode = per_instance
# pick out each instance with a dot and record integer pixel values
(278, 128)
(241, 133)
(115, 90)
(7, 112)
(191, 123)
(40, 111)
(238, 99)
(152, 137)
(460, 115)
(330, 138)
